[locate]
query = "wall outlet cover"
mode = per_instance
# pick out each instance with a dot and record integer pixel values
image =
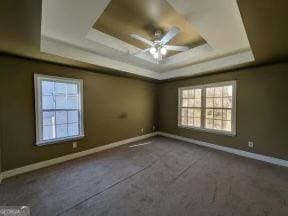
(250, 144)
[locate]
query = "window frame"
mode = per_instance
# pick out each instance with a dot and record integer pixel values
(180, 106)
(203, 107)
(38, 108)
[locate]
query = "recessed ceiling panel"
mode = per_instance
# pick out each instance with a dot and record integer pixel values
(143, 17)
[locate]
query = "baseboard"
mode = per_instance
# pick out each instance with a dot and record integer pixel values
(255, 156)
(35, 166)
(31, 167)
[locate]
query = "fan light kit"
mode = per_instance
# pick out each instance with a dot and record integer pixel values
(158, 50)
(158, 47)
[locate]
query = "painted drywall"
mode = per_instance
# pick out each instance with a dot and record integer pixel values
(261, 109)
(115, 108)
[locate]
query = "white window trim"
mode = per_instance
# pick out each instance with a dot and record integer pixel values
(203, 106)
(38, 113)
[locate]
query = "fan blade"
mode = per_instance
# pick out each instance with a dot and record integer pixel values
(141, 51)
(177, 48)
(144, 40)
(171, 34)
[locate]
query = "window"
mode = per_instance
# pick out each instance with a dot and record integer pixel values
(59, 113)
(210, 107)
(219, 108)
(191, 107)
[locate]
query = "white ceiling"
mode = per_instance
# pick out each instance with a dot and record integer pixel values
(67, 31)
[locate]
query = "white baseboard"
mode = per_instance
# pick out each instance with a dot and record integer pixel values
(35, 166)
(255, 156)
(31, 167)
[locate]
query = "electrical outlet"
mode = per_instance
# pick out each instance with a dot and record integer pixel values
(74, 144)
(251, 144)
(142, 130)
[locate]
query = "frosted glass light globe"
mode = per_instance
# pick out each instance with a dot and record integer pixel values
(152, 50)
(163, 51)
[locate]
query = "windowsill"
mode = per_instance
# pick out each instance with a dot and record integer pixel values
(55, 141)
(226, 133)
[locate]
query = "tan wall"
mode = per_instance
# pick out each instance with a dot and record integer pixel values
(262, 109)
(106, 99)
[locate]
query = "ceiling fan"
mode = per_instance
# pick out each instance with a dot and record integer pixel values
(158, 47)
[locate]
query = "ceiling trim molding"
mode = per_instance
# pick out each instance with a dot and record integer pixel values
(212, 65)
(60, 48)
(63, 49)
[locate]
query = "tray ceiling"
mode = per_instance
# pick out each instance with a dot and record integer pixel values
(97, 32)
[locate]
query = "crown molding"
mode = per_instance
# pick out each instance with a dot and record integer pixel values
(60, 48)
